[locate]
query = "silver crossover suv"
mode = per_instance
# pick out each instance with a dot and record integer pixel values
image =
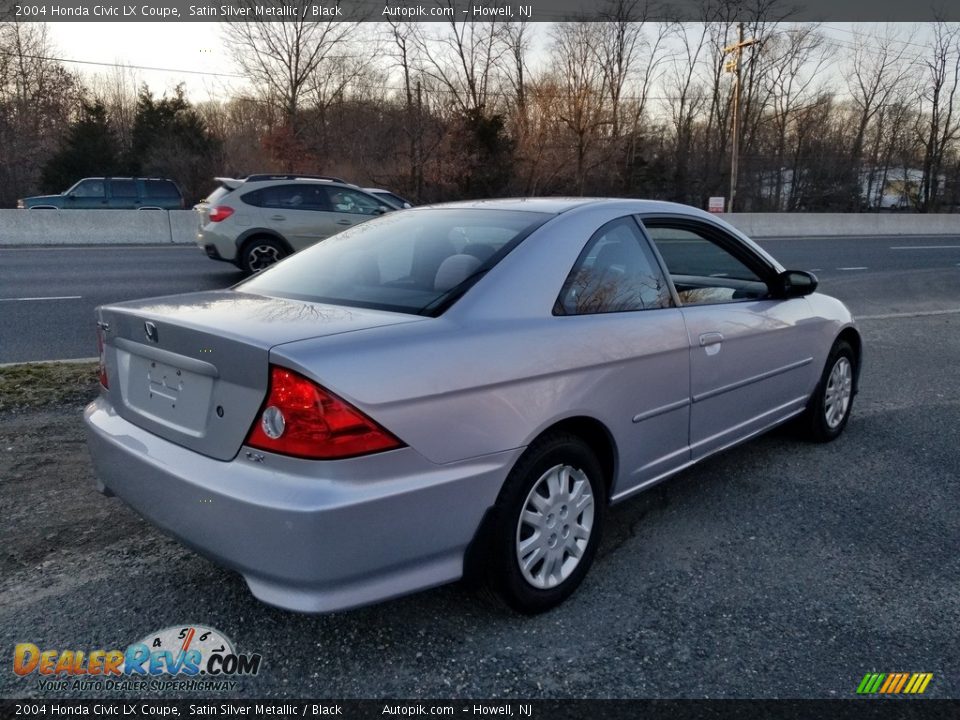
(257, 221)
(457, 389)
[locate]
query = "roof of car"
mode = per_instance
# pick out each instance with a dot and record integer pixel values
(557, 205)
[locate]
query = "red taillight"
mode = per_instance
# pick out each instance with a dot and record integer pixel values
(220, 213)
(302, 419)
(101, 351)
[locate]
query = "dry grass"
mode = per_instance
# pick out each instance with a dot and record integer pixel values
(39, 384)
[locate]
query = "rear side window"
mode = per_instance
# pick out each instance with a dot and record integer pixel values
(289, 197)
(413, 262)
(123, 188)
(616, 272)
(160, 189)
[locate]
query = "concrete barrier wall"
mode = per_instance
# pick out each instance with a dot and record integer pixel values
(97, 227)
(146, 227)
(761, 225)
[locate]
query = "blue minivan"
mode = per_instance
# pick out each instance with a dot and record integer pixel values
(111, 193)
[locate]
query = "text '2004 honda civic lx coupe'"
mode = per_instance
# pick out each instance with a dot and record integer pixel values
(457, 386)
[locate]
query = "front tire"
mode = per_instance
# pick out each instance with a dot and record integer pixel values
(259, 253)
(547, 523)
(829, 408)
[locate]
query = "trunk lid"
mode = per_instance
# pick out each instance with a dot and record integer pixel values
(194, 368)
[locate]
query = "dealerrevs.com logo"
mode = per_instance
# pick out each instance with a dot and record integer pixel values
(190, 657)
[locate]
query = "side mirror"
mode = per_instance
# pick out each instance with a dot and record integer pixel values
(795, 283)
(383, 210)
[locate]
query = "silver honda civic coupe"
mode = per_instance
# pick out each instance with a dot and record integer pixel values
(455, 390)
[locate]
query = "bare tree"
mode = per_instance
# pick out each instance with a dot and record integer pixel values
(938, 125)
(401, 38)
(583, 107)
(290, 62)
(685, 98)
(38, 99)
(878, 71)
(798, 56)
(463, 57)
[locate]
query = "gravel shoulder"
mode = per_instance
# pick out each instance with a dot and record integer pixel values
(777, 569)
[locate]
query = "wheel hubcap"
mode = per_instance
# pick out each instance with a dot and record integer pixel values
(836, 400)
(554, 527)
(262, 256)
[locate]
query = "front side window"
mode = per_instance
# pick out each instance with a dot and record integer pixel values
(413, 262)
(616, 272)
(89, 189)
(703, 271)
(356, 203)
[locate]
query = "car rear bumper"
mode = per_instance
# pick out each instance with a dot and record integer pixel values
(307, 536)
(215, 244)
(212, 252)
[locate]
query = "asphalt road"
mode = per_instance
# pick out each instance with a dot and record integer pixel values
(777, 569)
(48, 295)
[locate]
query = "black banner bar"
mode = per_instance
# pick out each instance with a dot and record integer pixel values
(469, 10)
(899, 708)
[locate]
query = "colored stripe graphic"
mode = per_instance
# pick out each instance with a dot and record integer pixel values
(903, 681)
(894, 683)
(891, 680)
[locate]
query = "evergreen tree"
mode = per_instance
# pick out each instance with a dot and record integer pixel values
(89, 149)
(170, 139)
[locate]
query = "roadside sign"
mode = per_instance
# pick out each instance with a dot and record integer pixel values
(716, 204)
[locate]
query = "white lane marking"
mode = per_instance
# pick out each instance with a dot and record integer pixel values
(29, 299)
(853, 268)
(921, 313)
(924, 247)
(816, 269)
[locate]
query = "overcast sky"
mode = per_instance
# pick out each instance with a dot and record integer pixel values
(192, 46)
(198, 47)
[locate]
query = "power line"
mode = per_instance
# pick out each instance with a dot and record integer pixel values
(51, 58)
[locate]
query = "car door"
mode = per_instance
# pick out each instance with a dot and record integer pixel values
(298, 211)
(751, 353)
(351, 207)
(123, 194)
(617, 302)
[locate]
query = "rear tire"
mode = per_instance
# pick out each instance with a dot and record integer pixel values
(259, 253)
(829, 409)
(546, 524)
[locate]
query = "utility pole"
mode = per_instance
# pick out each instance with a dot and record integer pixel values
(733, 65)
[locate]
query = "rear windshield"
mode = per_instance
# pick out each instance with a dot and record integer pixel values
(216, 194)
(414, 262)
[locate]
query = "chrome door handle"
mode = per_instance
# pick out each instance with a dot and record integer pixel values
(710, 338)
(278, 217)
